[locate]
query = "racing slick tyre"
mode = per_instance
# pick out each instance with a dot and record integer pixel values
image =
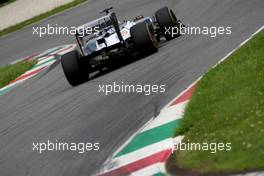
(74, 71)
(143, 38)
(167, 19)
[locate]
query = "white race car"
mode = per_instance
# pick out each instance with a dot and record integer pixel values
(110, 39)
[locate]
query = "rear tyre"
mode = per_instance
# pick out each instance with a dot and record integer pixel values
(167, 19)
(143, 38)
(74, 71)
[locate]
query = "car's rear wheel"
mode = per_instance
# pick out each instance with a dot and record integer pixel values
(166, 19)
(74, 71)
(143, 38)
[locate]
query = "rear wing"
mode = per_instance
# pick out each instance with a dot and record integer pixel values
(96, 26)
(93, 26)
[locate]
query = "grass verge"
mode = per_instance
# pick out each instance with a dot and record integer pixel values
(11, 72)
(227, 106)
(5, 2)
(40, 17)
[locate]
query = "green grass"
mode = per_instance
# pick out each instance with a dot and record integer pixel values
(227, 106)
(40, 17)
(11, 72)
(5, 2)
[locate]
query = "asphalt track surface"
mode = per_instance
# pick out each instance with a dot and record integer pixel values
(47, 107)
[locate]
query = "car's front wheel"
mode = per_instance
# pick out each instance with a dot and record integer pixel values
(143, 38)
(167, 20)
(74, 71)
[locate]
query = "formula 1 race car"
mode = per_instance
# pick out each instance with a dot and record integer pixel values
(112, 39)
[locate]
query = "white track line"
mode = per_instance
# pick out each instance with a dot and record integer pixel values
(150, 170)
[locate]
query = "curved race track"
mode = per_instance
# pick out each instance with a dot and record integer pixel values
(46, 107)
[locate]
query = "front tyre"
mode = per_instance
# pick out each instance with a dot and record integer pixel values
(167, 19)
(143, 38)
(74, 71)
